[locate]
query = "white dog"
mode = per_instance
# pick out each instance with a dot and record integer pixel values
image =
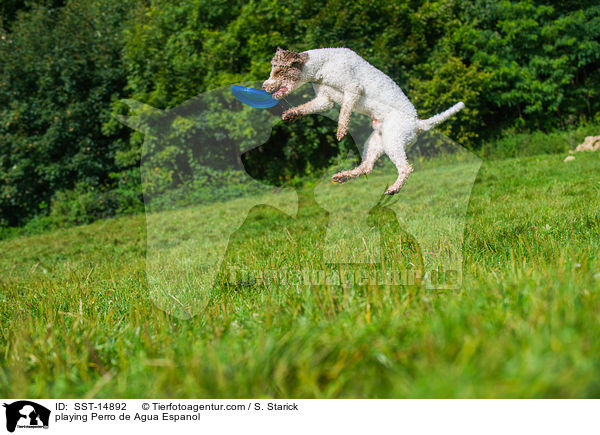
(341, 76)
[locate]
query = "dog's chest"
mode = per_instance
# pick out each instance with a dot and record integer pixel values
(337, 96)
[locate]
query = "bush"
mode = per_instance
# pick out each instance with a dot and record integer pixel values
(514, 144)
(85, 203)
(60, 68)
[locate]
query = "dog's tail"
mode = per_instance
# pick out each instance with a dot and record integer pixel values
(427, 124)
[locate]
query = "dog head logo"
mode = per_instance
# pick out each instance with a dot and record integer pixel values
(26, 414)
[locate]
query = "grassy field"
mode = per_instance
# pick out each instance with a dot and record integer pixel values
(78, 317)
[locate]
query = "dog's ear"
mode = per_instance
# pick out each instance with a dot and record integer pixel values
(289, 58)
(302, 58)
(296, 59)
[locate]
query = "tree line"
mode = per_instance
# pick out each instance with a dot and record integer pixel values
(65, 66)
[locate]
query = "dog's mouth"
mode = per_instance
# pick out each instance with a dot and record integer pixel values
(282, 91)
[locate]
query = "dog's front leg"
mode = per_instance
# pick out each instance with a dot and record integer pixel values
(351, 96)
(318, 104)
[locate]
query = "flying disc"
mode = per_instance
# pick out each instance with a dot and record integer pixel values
(253, 97)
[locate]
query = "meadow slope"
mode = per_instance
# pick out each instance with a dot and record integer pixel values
(76, 319)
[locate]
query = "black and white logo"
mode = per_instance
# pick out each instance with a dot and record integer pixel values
(25, 414)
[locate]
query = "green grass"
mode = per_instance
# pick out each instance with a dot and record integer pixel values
(78, 317)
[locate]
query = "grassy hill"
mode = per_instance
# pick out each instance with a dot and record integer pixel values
(79, 317)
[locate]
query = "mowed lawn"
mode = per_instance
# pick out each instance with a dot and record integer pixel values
(77, 318)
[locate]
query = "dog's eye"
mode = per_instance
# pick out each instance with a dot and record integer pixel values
(280, 71)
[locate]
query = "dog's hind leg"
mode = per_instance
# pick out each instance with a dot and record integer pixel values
(373, 150)
(397, 134)
(404, 170)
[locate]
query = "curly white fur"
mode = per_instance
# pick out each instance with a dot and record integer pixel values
(341, 76)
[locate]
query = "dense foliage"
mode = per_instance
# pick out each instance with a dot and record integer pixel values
(518, 66)
(61, 68)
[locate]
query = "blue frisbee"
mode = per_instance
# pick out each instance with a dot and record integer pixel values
(253, 97)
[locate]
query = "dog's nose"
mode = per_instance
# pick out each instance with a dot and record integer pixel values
(264, 86)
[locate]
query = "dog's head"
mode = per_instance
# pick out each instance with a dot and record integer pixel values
(286, 72)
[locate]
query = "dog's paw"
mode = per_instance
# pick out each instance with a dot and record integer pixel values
(290, 115)
(341, 132)
(392, 190)
(340, 177)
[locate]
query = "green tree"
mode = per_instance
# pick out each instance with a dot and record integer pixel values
(61, 68)
(524, 65)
